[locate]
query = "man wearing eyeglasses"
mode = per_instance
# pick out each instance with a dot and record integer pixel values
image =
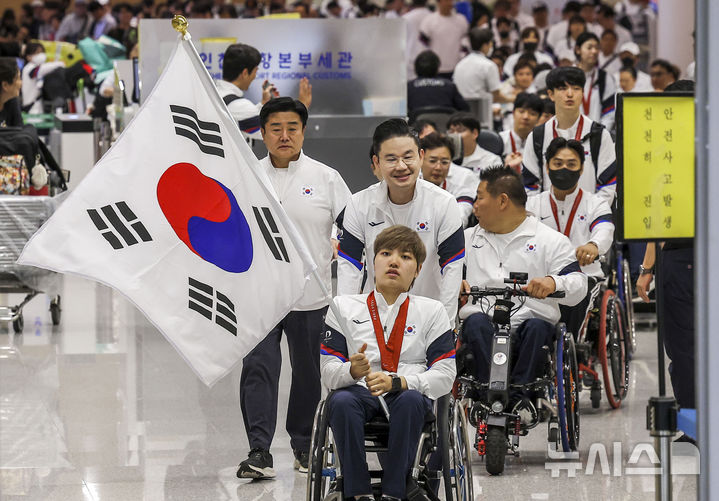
(438, 169)
(402, 198)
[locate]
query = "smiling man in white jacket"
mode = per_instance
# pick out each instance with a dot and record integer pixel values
(402, 198)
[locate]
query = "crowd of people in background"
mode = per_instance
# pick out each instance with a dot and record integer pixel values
(455, 50)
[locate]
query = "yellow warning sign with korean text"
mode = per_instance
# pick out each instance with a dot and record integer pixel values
(656, 166)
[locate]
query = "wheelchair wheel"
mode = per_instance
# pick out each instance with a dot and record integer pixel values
(496, 450)
(320, 472)
(461, 466)
(456, 449)
(613, 348)
(627, 300)
(567, 390)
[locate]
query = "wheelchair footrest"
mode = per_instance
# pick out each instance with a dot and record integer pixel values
(415, 493)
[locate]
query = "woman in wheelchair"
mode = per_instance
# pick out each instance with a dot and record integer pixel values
(509, 239)
(583, 217)
(394, 346)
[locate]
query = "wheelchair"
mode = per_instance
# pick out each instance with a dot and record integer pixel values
(620, 280)
(605, 339)
(556, 390)
(446, 431)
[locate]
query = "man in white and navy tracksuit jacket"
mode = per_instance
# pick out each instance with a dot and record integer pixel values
(406, 346)
(583, 217)
(600, 167)
(433, 213)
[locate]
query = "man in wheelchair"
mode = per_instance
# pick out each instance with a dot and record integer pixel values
(391, 345)
(507, 240)
(583, 217)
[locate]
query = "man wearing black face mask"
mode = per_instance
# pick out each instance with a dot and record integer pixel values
(583, 217)
(530, 43)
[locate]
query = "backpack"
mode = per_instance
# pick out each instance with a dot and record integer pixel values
(230, 98)
(24, 141)
(595, 143)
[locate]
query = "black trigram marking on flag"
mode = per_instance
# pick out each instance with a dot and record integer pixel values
(212, 303)
(201, 133)
(271, 233)
(119, 233)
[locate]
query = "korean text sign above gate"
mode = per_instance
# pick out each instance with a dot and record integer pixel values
(347, 61)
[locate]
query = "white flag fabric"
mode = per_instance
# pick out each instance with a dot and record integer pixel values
(179, 217)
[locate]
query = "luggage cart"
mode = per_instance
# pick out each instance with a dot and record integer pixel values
(20, 218)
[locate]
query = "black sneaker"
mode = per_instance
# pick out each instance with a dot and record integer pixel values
(302, 459)
(257, 465)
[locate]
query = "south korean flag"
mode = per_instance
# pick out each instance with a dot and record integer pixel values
(180, 218)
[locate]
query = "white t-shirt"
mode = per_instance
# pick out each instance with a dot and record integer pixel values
(447, 35)
(556, 33)
(313, 195)
(414, 19)
(476, 76)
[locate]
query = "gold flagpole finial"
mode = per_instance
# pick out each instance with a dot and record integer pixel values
(179, 23)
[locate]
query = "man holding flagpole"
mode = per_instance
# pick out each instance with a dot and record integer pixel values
(313, 195)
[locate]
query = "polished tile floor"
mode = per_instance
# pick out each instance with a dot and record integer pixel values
(102, 408)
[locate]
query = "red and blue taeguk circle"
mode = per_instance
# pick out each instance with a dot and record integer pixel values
(206, 217)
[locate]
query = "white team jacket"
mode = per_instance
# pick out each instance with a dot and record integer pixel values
(245, 112)
(313, 195)
(593, 221)
(601, 107)
(427, 356)
(432, 213)
(518, 141)
(534, 249)
(481, 159)
(601, 179)
(462, 184)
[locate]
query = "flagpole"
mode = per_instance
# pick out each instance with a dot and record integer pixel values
(180, 24)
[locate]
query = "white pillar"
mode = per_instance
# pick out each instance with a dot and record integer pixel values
(675, 23)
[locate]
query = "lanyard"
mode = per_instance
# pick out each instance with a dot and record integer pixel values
(514, 145)
(444, 184)
(577, 135)
(571, 214)
(586, 102)
(389, 352)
